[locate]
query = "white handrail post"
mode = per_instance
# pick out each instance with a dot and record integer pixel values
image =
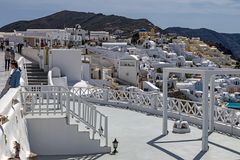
(105, 95)
(59, 97)
(154, 101)
(212, 102)
(179, 109)
(95, 123)
(205, 80)
(165, 104)
(21, 98)
(106, 131)
(232, 120)
(68, 108)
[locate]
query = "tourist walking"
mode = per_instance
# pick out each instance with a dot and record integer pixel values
(7, 57)
(2, 46)
(13, 80)
(19, 47)
(12, 53)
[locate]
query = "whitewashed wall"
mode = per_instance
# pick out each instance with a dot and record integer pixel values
(31, 53)
(86, 71)
(52, 136)
(69, 62)
(13, 130)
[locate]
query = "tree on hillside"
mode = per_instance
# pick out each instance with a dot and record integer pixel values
(135, 38)
(237, 66)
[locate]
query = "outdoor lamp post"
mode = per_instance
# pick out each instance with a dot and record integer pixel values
(115, 145)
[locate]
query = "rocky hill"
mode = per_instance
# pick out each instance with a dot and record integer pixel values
(229, 43)
(88, 21)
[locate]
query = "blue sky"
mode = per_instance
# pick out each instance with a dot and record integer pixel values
(219, 15)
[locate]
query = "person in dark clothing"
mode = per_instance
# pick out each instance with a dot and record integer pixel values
(12, 53)
(20, 48)
(2, 46)
(7, 57)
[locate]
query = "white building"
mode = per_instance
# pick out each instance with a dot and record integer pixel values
(148, 44)
(178, 48)
(72, 68)
(129, 69)
(181, 61)
(148, 86)
(99, 36)
(233, 85)
(116, 46)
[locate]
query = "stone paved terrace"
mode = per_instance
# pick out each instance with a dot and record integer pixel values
(139, 137)
(3, 74)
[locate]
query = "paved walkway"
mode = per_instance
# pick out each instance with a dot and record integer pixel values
(3, 74)
(139, 137)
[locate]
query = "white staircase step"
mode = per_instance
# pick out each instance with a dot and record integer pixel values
(52, 136)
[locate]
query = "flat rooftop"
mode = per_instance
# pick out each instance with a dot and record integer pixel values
(139, 137)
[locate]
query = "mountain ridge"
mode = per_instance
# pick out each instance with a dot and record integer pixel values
(229, 43)
(88, 21)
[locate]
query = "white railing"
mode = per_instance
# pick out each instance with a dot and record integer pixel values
(143, 99)
(22, 65)
(153, 102)
(53, 100)
(184, 107)
(227, 116)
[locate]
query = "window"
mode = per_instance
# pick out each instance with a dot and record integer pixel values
(236, 83)
(131, 64)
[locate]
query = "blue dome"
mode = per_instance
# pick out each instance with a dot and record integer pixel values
(142, 30)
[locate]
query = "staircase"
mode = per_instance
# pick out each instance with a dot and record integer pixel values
(60, 123)
(36, 76)
(53, 136)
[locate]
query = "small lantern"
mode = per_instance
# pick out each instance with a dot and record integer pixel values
(115, 145)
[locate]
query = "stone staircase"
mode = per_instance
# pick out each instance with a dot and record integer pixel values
(51, 136)
(36, 76)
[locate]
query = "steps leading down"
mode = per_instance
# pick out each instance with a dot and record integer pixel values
(36, 76)
(52, 136)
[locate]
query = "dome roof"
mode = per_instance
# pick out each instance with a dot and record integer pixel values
(130, 57)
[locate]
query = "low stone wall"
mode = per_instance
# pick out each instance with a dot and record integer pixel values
(14, 129)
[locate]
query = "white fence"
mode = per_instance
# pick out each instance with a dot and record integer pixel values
(226, 120)
(51, 100)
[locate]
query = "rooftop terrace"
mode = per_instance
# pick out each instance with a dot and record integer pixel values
(139, 136)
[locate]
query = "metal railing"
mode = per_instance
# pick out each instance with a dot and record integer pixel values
(53, 100)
